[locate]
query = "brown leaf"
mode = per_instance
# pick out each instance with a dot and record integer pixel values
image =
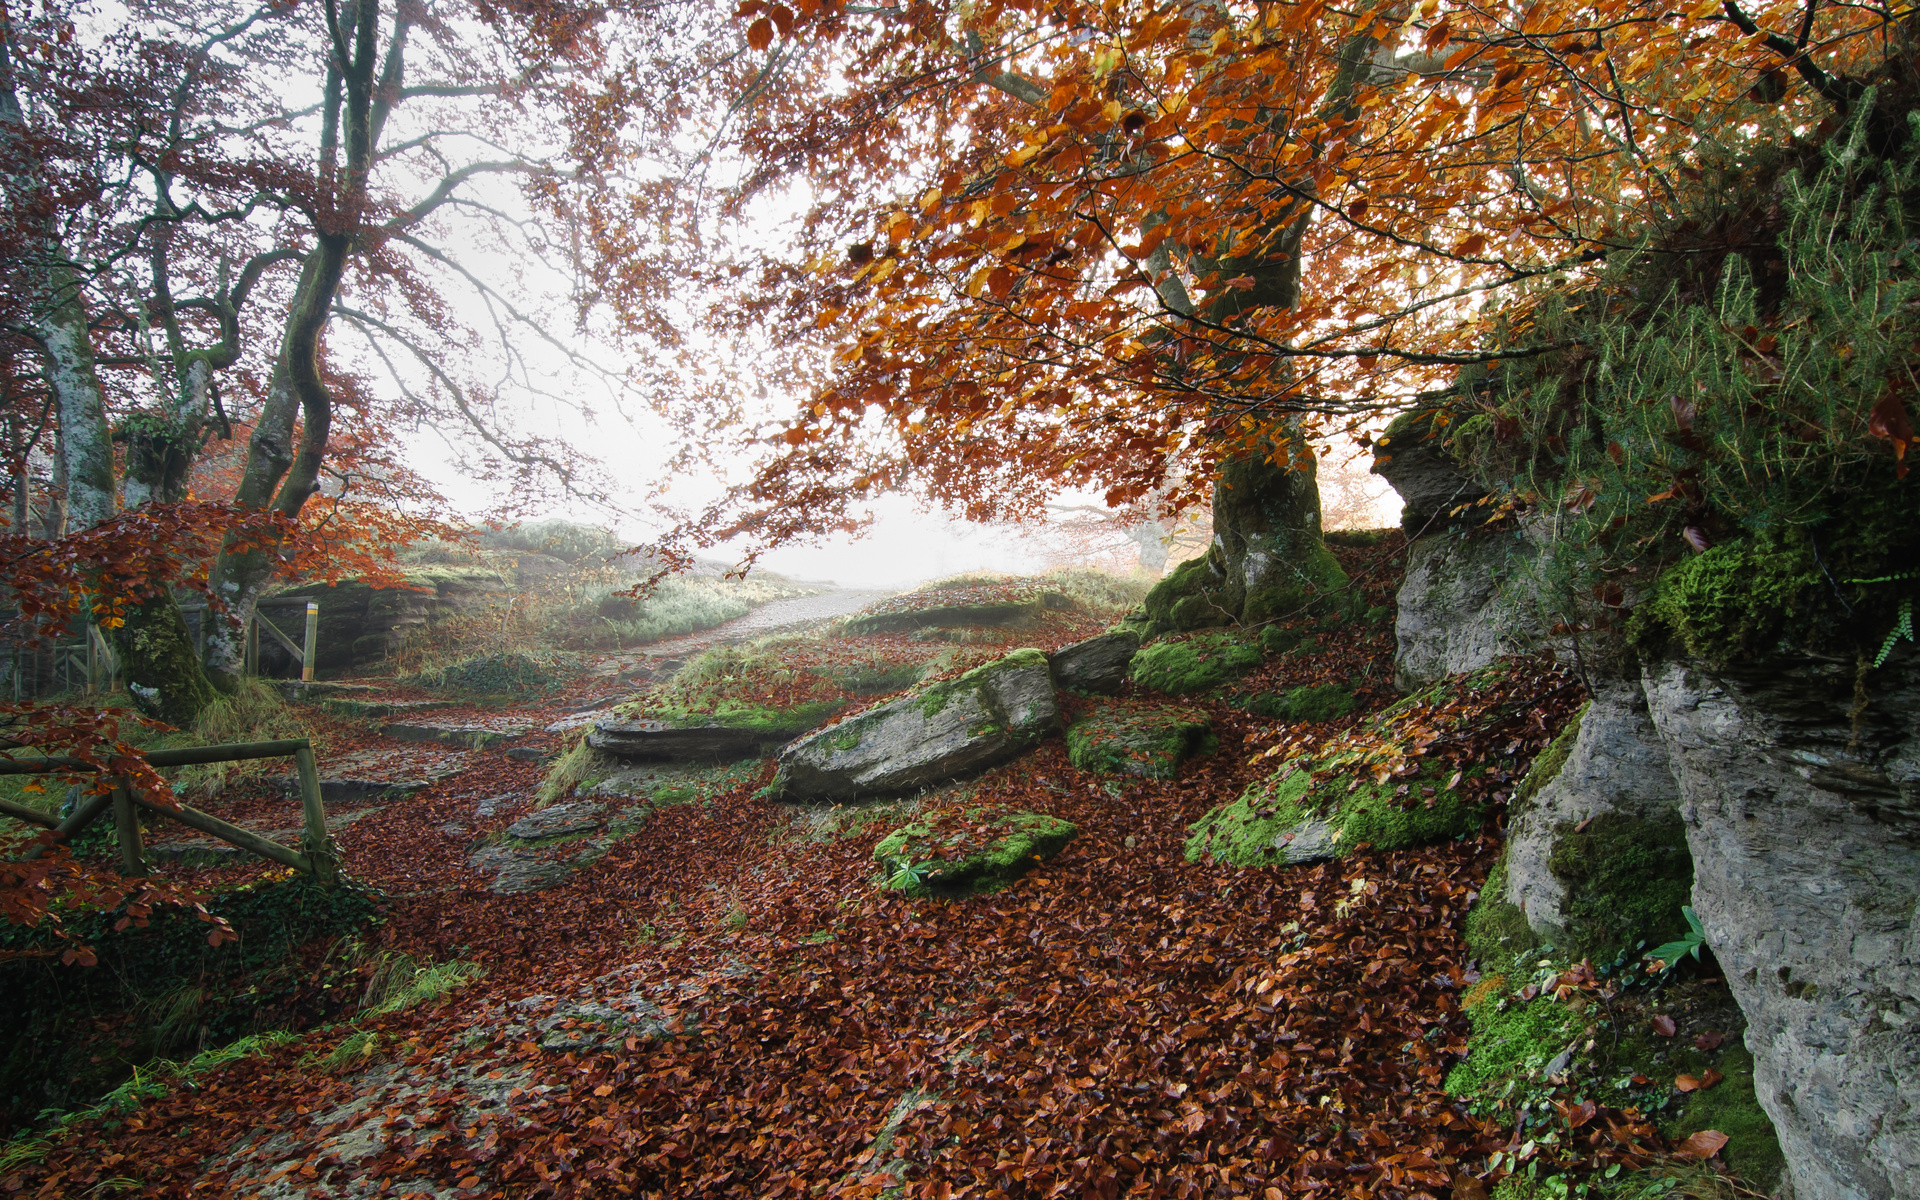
(1664, 1026)
(760, 34)
(1702, 1145)
(1709, 1041)
(1687, 1083)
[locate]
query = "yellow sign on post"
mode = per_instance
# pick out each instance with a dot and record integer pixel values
(313, 638)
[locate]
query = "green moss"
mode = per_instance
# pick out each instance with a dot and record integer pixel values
(1194, 665)
(580, 764)
(1548, 763)
(1735, 599)
(1151, 743)
(921, 859)
(1359, 539)
(1512, 1043)
(1733, 1108)
(1248, 832)
(1496, 931)
(740, 714)
(1626, 881)
(1276, 640)
(1325, 702)
(1184, 584)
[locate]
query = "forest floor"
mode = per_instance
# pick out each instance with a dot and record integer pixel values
(712, 997)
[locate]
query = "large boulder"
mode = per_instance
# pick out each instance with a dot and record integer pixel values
(1800, 789)
(1098, 664)
(1596, 852)
(1465, 604)
(1151, 741)
(934, 734)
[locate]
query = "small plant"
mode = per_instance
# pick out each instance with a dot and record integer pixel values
(1688, 943)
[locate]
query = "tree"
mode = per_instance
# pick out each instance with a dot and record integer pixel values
(1073, 245)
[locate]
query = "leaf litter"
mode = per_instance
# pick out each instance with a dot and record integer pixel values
(761, 1020)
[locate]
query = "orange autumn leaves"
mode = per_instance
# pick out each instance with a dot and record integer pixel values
(1104, 245)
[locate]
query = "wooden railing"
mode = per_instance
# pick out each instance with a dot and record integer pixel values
(317, 855)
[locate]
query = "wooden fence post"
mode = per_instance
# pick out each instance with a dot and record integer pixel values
(313, 641)
(126, 827)
(317, 846)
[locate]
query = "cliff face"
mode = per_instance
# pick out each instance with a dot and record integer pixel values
(1793, 787)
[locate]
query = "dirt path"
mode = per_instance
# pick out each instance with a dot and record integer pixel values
(777, 616)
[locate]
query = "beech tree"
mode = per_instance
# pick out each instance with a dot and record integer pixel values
(1150, 247)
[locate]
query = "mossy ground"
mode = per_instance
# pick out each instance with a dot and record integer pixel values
(1309, 703)
(1121, 739)
(1196, 664)
(1627, 880)
(959, 851)
(1246, 832)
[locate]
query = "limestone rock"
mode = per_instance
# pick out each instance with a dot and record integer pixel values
(477, 732)
(385, 773)
(1459, 609)
(557, 821)
(1615, 779)
(648, 739)
(1431, 484)
(1098, 664)
(938, 733)
(1804, 822)
(1151, 742)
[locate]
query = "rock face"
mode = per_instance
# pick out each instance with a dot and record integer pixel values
(642, 739)
(1458, 611)
(933, 735)
(1596, 855)
(1098, 664)
(1804, 824)
(1430, 483)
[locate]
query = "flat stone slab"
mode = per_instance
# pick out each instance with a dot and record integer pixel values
(580, 816)
(571, 721)
(477, 732)
(393, 773)
(645, 739)
(380, 708)
(317, 689)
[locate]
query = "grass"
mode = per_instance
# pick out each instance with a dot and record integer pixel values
(400, 982)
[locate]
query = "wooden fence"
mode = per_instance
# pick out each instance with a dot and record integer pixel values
(317, 855)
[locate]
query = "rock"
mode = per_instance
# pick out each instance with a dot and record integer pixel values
(392, 773)
(1804, 823)
(351, 706)
(1098, 664)
(477, 732)
(934, 734)
(590, 1025)
(558, 821)
(520, 869)
(488, 808)
(1596, 854)
(1151, 742)
(1461, 606)
(669, 740)
(920, 860)
(1431, 484)
(298, 690)
(1283, 820)
(530, 754)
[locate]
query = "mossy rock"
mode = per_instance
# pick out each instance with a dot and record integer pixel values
(1548, 763)
(1288, 819)
(1627, 879)
(1114, 739)
(939, 856)
(1275, 639)
(1197, 664)
(1315, 703)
